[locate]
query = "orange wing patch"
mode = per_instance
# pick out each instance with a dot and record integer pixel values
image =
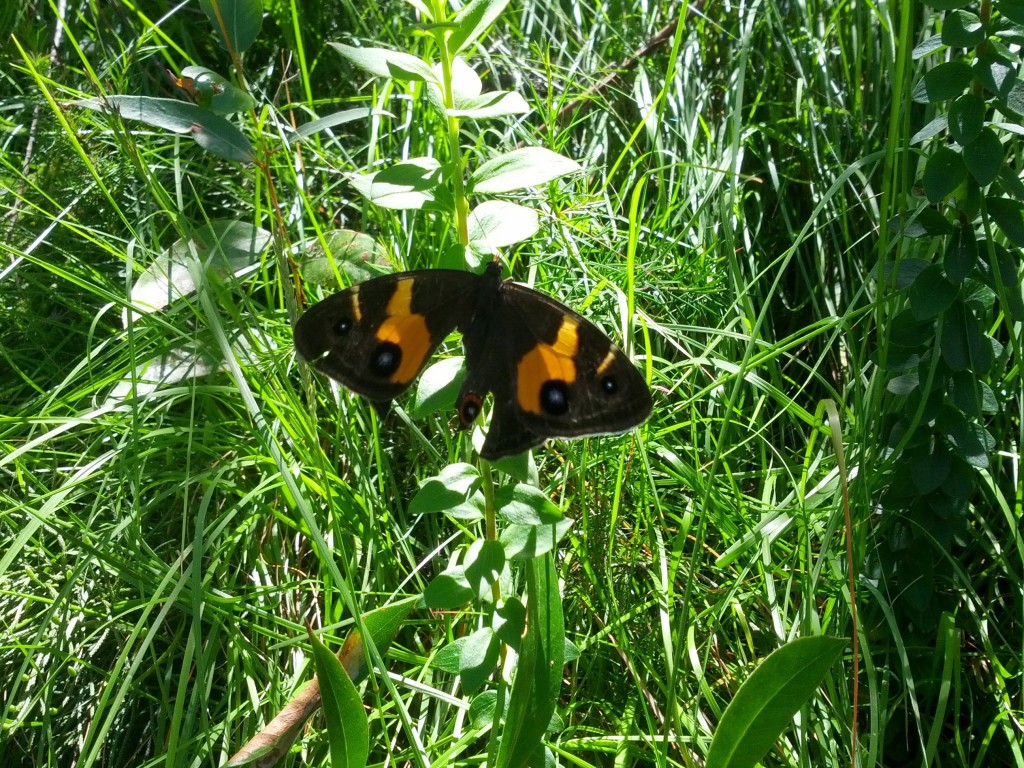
(547, 362)
(407, 330)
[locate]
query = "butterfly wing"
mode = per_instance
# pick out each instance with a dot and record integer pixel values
(553, 373)
(377, 336)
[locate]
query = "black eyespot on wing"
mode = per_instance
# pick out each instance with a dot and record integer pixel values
(609, 385)
(343, 326)
(554, 397)
(386, 359)
(469, 408)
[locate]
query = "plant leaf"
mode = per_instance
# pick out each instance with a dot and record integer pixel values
(227, 248)
(237, 23)
(521, 168)
(526, 505)
(944, 172)
(408, 185)
(943, 82)
(495, 224)
(539, 671)
(472, 21)
(767, 701)
(210, 131)
(386, 63)
(984, 157)
(348, 729)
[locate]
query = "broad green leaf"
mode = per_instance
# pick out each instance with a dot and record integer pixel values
(931, 294)
(385, 63)
(448, 591)
(442, 492)
(538, 673)
(438, 387)
(903, 384)
(971, 441)
(521, 168)
(355, 254)
(465, 85)
(210, 131)
(510, 621)
(767, 701)
(984, 157)
(964, 344)
(924, 222)
(347, 727)
(482, 710)
(223, 248)
(966, 118)
(484, 563)
(382, 625)
(472, 21)
(943, 82)
(972, 395)
(996, 73)
(237, 23)
(962, 29)
(492, 104)
(961, 254)
(523, 542)
(944, 172)
(478, 658)
(408, 185)
(495, 224)
(213, 92)
(449, 656)
(931, 129)
(526, 505)
(929, 466)
(907, 331)
(925, 47)
(1009, 217)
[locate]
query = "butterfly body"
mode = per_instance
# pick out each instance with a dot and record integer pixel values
(551, 372)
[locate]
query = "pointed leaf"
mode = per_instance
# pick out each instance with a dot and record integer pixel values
(210, 131)
(962, 29)
(943, 82)
(385, 63)
(539, 670)
(944, 172)
(493, 104)
(521, 168)
(348, 729)
(767, 701)
(472, 21)
(448, 489)
(966, 118)
(224, 247)
(984, 157)
(408, 185)
(236, 23)
(495, 224)
(526, 505)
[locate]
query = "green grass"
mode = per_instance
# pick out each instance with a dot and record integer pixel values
(163, 548)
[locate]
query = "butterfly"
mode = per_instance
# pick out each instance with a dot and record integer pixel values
(551, 372)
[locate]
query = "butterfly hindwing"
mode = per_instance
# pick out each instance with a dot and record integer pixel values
(377, 336)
